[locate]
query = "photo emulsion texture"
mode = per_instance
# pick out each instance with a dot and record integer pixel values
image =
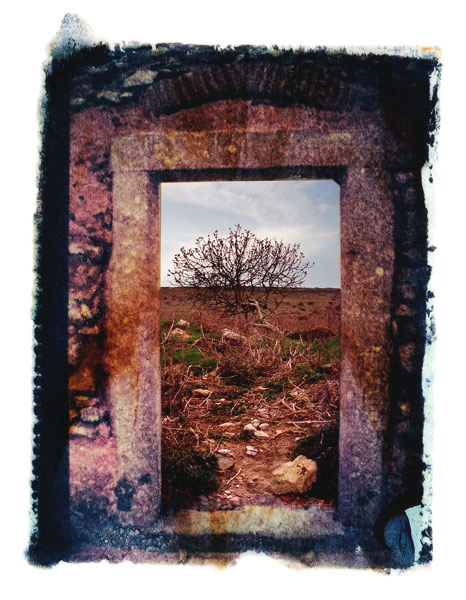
(232, 305)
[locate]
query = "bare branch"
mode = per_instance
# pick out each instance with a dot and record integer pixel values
(237, 273)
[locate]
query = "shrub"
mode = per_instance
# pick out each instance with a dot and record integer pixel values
(187, 473)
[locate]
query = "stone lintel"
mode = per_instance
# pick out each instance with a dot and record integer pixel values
(246, 149)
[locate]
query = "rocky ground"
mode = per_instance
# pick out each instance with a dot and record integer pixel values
(255, 401)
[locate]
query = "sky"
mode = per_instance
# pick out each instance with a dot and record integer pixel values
(303, 212)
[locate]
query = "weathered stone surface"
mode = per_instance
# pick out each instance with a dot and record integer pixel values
(294, 477)
(365, 123)
(83, 402)
(225, 462)
(84, 430)
(140, 77)
(92, 414)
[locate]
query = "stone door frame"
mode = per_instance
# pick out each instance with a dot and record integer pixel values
(140, 162)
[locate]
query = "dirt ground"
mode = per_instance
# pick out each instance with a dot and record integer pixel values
(210, 410)
(246, 464)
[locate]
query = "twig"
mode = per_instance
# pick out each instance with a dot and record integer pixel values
(230, 480)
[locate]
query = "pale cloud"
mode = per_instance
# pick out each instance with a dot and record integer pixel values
(303, 212)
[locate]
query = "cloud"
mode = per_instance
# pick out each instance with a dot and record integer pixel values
(304, 212)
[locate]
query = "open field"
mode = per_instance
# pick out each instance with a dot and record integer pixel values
(220, 374)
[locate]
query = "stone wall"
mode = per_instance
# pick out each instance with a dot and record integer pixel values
(169, 89)
(373, 112)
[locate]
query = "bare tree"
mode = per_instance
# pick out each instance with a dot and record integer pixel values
(239, 273)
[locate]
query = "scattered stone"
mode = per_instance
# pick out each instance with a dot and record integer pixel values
(231, 335)
(255, 422)
(182, 323)
(85, 401)
(78, 313)
(92, 414)
(83, 430)
(294, 477)
(140, 77)
(251, 451)
(109, 95)
(201, 392)
(264, 426)
(224, 463)
(225, 425)
(249, 428)
(225, 451)
(177, 332)
(260, 435)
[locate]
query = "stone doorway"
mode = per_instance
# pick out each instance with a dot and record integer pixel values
(122, 121)
(140, 163)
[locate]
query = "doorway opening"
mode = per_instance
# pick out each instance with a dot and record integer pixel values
(249, 387)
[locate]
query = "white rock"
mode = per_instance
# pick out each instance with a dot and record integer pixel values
(256, 422)
(177, 332)
(264, 426)
(249, 427)
(182, 323)
(251, 451)
(226, 425)
(225, 451)
(260, 435)
(295, 477)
